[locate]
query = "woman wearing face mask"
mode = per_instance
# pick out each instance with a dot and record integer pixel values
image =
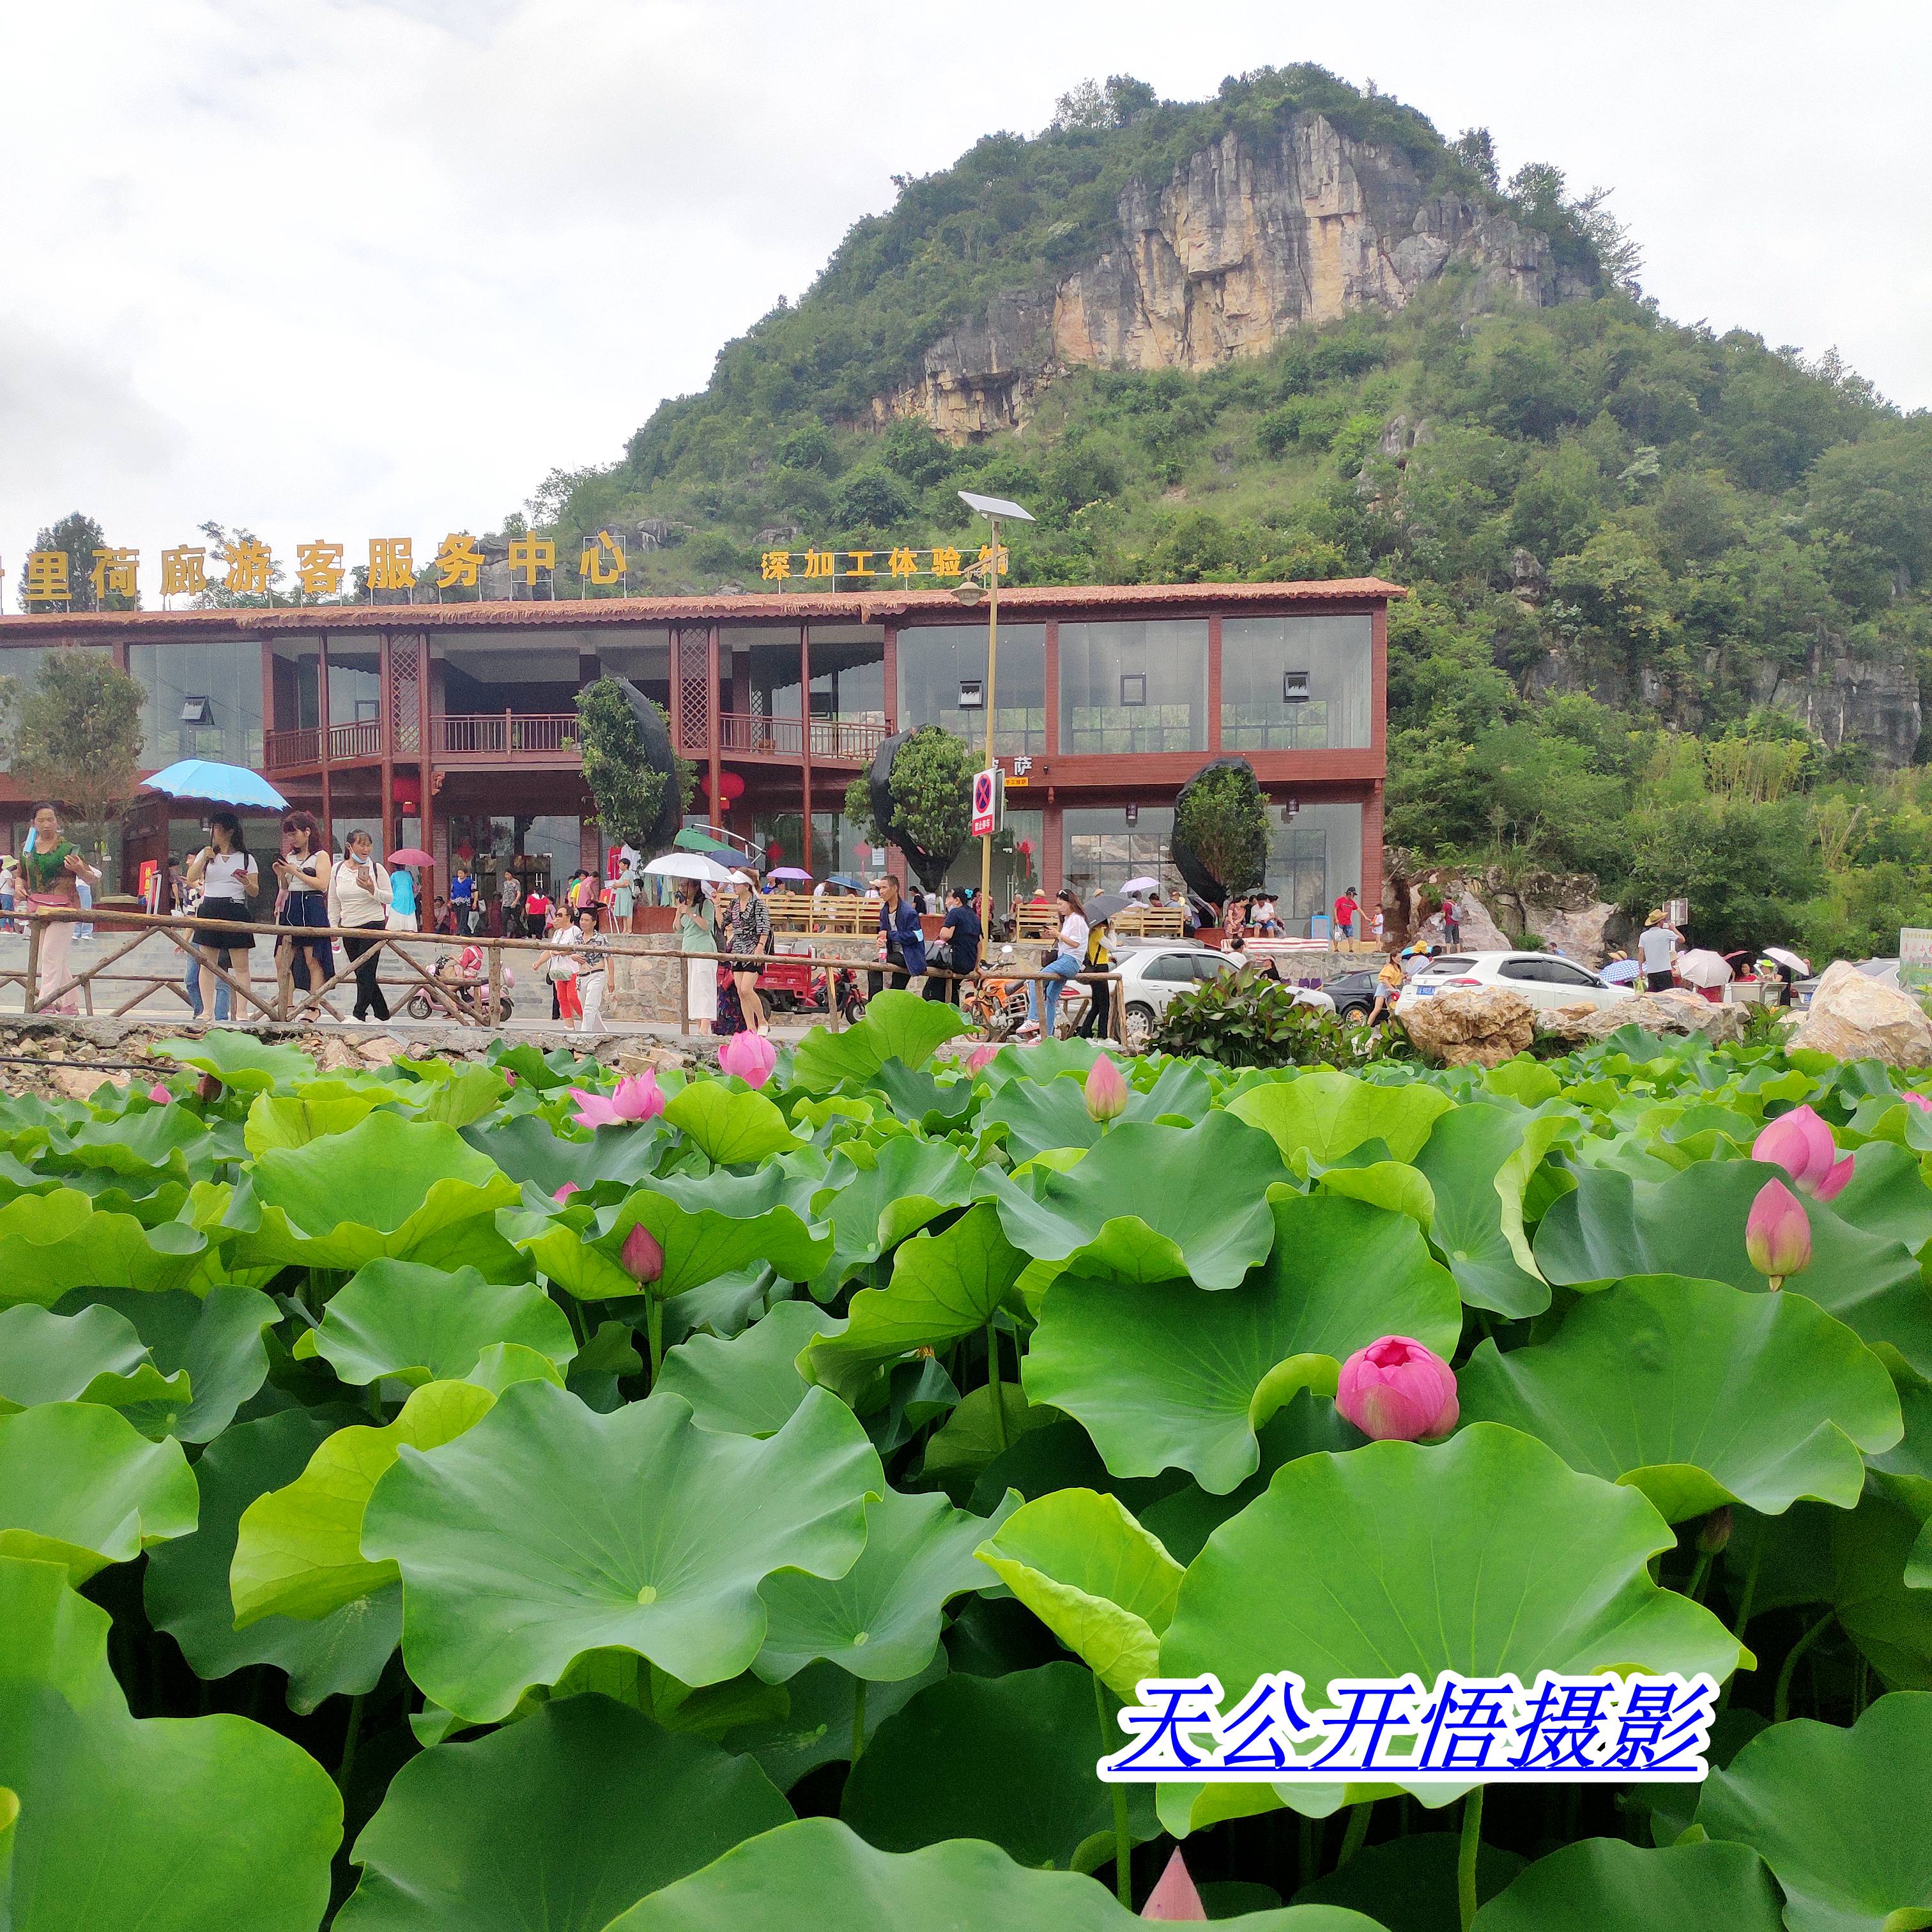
(359, 895)
(48, 876)
(224, 869)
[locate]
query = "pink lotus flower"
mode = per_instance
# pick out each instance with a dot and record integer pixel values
(1919, 1100)
(750, 1056)
(564, 1192)
(160, 1095)
(1777, 1237)
(1106, 1091)
(981, 1056)
(1397, 1390)
(642, 1255)
(1801, 1143)
(1175, 1899)
(636, 1098)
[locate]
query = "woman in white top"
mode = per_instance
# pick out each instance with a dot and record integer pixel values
(303, 869)
(359, 895)
(224, 870)
(1072, 942)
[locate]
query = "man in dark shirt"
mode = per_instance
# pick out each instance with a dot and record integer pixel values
(958, 952)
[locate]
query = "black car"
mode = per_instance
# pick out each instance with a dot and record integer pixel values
(1353, 994)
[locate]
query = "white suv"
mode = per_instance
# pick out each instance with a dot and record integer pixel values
(1543, 979)
(1151, 974)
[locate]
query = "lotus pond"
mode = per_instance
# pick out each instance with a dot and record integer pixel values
(749, 1507)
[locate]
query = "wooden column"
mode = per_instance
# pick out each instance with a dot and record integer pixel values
(888, 677)
(268, 694)
(713, 705)
(322, 737)
(386, 730)
(1214, 686)
(426, 765)
(804, 738)
(1053, 684)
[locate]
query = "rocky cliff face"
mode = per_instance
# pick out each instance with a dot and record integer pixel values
(1243, 244)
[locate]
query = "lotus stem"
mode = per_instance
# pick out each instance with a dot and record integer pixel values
(1694, 1590)
(1124, 1876)
(1744, 1613)
(1358, 1830)
(351, 1737)
(858, 1721)
(1780, 1702)
(654, 1331)
(993, 1383)
(1465, 1857)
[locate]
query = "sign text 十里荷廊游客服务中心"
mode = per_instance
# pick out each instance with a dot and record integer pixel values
(1650, 1726)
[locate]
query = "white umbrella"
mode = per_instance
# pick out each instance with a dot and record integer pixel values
(1142, 886)
(690, 865)
(1704, 969)
(1785, 956)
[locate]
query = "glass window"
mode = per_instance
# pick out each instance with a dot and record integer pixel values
(1558, 974)
(1169, 967)
(23, 668)
(1211, 966)
(1016, 861)
(757, 669)
(542, 851)
(1103, 851)
(848, 673)
(1294, 684)
(1521, 969)
(642, 654)
(204, 700)
(1134, 687)
(939, 663)
(1310, 859)
(355, 682)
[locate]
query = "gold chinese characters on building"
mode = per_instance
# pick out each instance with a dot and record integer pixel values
(826, 566)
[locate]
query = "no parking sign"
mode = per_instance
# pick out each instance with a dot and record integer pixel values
(986, 801)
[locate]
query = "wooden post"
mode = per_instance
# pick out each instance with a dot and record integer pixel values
(425, 768)
(683, 998)
(322, 739)
(495, 982)
(713, 700)
(385, 740)
(805, 738)
(32, 987)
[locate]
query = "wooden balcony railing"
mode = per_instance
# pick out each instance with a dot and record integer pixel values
(833, 739)
(282, 751)
(503, 734)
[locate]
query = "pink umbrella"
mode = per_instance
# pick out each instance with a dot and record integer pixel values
(410, 855)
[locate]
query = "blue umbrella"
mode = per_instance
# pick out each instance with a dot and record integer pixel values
(846, 879)
(1620, 972)
(205, 780)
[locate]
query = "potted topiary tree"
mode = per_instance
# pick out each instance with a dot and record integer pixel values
(1220, 831)
(917, 796)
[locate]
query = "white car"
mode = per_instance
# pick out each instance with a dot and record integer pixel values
(1151, 975)
(1541, 978)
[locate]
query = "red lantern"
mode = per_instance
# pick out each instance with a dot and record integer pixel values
(1025, 848)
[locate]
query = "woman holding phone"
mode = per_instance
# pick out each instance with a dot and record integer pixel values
(303, 871)
(359, 896)
(50, 876)
(225, 870)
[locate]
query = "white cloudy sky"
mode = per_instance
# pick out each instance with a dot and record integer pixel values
(362, 267)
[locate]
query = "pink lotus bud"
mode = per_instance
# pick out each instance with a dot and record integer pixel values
(1714, 1533)
(1175, 1899)
(643, 1256)
(509, 1078)
(1801, 1143)
(564, 1192)
(637, 1097)
(750, 1056)
(1921, 1101)
(1834, 1182)
(160, 1095)
(1106, 1091)
(1397, 1390)
(208, 1088)
(1777, 1237)
(981, 1056)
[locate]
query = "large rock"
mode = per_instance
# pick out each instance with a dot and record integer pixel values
(1674, 1011)
(1484, 1024)
(1853, 1017)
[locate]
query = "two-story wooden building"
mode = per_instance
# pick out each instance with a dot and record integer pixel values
(451, 725)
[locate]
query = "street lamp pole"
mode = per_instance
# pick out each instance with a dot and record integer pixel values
(992, 508)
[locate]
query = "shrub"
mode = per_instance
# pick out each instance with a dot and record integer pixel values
(1250, 1019)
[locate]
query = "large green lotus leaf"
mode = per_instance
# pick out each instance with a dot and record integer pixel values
(1010, 1759)
(80, 1486)
(1329, 1113)
(322, 1107)
(819, 1872)
(239, 1060)
(427, 1324)
(389, 1186)
(528, 1150)
(1165, 1376)
(172, 1825)
(93, 1356)
(157, 1145)
(1477, 1162)
(881, 1620)
(1483, 1554)
(550, 1530)
(1903, 1473)
(51, 1243)
(1877, 1554)
(875, 1197)
(1152, 1203)
(822, 1703)
(1612, 1226)
(733, 1126)
(1887, 1194)
(1838, 1815)
(187, 1583)
(560, 1820)
(1697, 1394)
(1096, 1579)
(750, 1385)
(942, 1286)
(1041, 1114)
(298, 1552)
(1610, 1886)
(897, 1026)
(453, 1092)
(213, 1338)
